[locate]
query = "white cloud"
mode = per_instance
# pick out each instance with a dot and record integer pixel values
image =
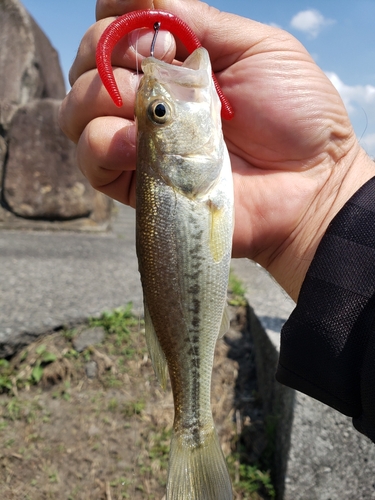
(310, 22)
(359, 101)
(368, 144)
(364, 95)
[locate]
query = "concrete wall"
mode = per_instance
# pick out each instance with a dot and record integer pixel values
(318, 453)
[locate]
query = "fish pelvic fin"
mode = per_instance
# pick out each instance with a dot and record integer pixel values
(157, 356)
(198, 472)
(225, 323)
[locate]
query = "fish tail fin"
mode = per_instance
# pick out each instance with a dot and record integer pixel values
(198, 472)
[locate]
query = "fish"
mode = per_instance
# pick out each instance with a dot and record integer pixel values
(184, 228)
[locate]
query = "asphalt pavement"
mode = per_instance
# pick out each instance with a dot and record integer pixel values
(50, 279)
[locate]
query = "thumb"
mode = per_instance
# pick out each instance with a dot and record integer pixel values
(140, 41)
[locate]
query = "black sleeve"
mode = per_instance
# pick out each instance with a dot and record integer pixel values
(328, 343)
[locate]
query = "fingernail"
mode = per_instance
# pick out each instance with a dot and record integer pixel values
(141, 40)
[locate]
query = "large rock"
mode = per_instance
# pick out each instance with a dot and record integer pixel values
(29, 65)
(41, 179)
(42, 188)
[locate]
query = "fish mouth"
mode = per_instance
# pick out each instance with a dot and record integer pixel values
(194, 73)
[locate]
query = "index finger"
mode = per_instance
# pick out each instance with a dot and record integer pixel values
(225, 36)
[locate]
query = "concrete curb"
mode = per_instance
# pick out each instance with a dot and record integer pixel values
(318, 453)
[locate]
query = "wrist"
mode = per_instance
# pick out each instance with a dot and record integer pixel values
(297, 253)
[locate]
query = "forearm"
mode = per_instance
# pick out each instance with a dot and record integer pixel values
(342, 182)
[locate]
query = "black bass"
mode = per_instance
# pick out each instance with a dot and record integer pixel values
(184, 221)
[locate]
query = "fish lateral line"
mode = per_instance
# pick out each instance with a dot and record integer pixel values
(131, 21)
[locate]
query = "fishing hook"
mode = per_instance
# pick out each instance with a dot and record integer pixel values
(146, 19)
(156, 29)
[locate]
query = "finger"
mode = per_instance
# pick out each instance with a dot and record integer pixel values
(107, 8)
(128, 53)
(106, 155)
(213, 27)
(88, 99)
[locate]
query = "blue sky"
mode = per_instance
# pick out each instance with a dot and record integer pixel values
(339, 34)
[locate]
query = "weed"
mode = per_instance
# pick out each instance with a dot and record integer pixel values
(36, 374)
(111, 381)
(133, 408)
(9, 442)
(116, 322)
(5, 372)
(159, 450)
(53, 477)
(3, 425)
(72, 354)
(249, 480)
(13, 410)
(113, 405)
(236, 291)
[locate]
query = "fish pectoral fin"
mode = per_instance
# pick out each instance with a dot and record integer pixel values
(198, 472)
(225, 323)
(154, 348)
(219, 241)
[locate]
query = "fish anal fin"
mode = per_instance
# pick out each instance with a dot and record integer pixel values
(157, 356)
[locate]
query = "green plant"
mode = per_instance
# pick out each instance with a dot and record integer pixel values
(13, 410)
(249, 480)
(5, 374)
(53, 477)
(117, 321)
(236, 291)
(44, 358)
(113, 405)
(133, 408)
(159, 450)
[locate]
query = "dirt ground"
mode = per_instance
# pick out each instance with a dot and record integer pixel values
(66, 435)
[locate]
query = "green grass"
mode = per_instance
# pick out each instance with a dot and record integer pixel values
(116, 322)
(250, 480)
(236, 291)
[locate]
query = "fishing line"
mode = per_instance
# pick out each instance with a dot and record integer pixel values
(366, 126)
(136, 57)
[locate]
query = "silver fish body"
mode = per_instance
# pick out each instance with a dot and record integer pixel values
(184, 225)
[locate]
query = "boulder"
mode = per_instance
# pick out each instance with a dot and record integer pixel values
(29, 65)
(41, 178)
(40, 184)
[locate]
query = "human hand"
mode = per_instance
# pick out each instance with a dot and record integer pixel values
(294, 154)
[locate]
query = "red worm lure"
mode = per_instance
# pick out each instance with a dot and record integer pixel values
(146, 19)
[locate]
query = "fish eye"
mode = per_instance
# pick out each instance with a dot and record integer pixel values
(159, 112)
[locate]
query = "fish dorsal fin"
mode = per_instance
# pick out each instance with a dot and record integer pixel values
(225, 323)
(157, 356)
